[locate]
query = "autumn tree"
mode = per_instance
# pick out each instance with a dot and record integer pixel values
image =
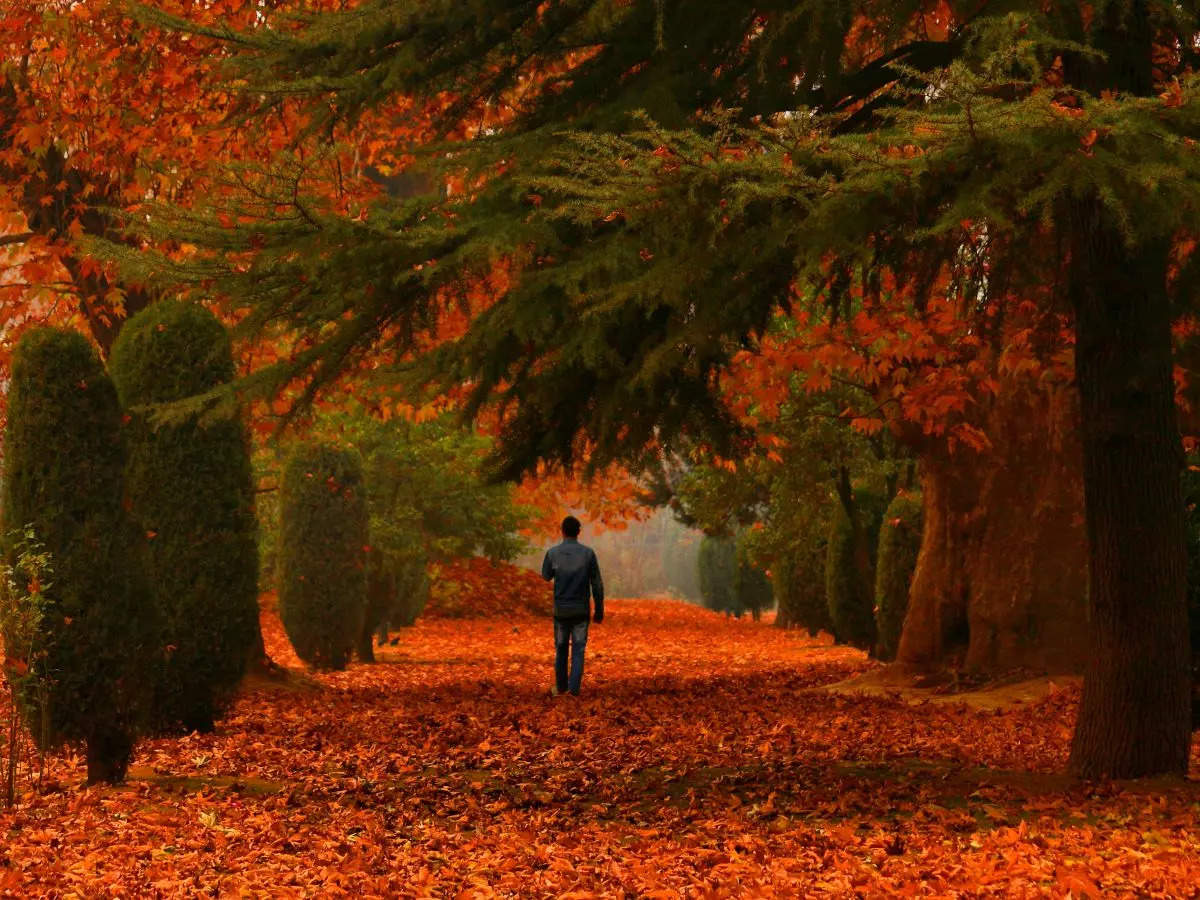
(190, 490)
(64, 481)
(98, 113)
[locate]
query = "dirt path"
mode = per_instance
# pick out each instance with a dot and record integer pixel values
(700, 762)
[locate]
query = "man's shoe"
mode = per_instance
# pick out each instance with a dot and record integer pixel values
(556, 692)
(574, 693)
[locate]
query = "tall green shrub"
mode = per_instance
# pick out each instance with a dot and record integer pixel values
(899, 543)
(717, 562)
(850, 571)
(799, 580)
(64, 478)
(323, 538)
(397, 591)
(751, 585)
(190, 489)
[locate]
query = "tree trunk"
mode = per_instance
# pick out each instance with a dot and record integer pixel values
(1001, 577)
(366, 642)
(259, 663)
(1135, 714)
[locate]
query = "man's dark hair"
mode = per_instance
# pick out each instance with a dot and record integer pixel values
(570, 527)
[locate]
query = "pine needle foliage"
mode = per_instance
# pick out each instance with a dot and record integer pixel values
(191, 491)
(64, 484)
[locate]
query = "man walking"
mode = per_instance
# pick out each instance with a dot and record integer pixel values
(576, 574)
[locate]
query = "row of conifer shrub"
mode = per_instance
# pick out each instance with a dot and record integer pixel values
(147, 614)
(855, 583)
(729, 582)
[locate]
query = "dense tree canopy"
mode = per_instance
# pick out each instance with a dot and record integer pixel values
(949, 187)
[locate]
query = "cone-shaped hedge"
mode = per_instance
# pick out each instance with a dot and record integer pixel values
(412, 592)
(799, 580)
(850, 573)
(751, 585)
(397, 591)
(64, 476)
(322, 553)
(191, 491)
(899, 542)
(717, 562)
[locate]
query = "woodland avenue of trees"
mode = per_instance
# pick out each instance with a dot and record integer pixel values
(863, 338)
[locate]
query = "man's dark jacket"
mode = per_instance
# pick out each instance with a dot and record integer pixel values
(576, 572)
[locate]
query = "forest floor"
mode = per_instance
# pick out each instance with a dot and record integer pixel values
(699, 762)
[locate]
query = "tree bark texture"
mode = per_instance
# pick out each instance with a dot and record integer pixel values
(1135, 713)
(1001, 577)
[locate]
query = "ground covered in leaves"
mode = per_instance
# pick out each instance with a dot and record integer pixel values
(698, 763)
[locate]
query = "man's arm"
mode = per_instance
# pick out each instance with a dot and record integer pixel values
(548, 566)
(597, 588)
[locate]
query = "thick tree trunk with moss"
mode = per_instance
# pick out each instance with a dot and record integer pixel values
(1135, 713)
(1001, 578)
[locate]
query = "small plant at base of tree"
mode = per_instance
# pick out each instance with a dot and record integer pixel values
(23, 611)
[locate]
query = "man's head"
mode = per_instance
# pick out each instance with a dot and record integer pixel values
(570, 527)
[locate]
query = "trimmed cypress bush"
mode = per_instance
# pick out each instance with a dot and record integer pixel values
(381, 597)
(849, 571)
(397, 591)
(412, 591)
(64, 477)
(717, 562)
(899, 543)
(799, 580)
(322, 553)
(751, 585)
(190, 489)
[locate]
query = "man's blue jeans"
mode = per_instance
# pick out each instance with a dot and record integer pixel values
(569, 635)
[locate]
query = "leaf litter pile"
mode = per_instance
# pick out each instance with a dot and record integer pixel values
(700, 762)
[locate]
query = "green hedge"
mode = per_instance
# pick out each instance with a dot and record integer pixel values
(899, 543)
(64, 476)
(397, 591)
(717, 563)
(190, 487)
(799, 580)
(323, 537)
(751, 585)
(849, 572)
